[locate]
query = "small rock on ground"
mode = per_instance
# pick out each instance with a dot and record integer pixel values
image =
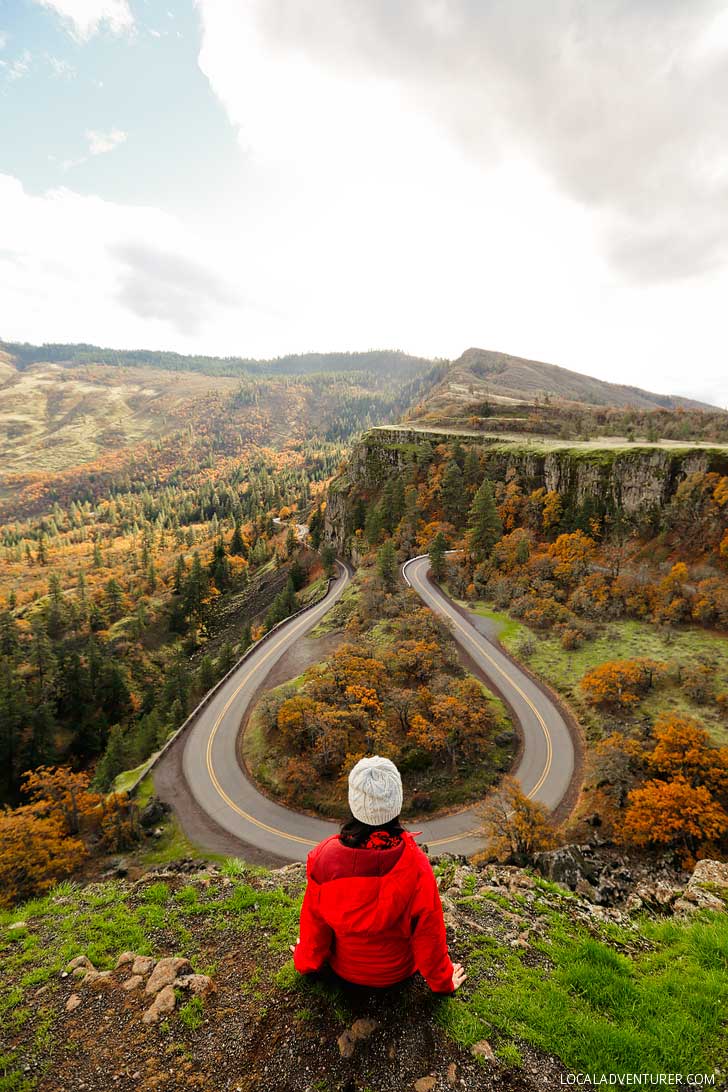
(483, 1049)
(165, 972)
(80, 961)
(363, 1028)
(425, 1084)
(195, 983)
(142, 964)
(163, 1003)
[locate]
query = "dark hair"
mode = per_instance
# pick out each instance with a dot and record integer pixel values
(355, 834)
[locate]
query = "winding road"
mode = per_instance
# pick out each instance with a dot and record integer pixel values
(214, 776)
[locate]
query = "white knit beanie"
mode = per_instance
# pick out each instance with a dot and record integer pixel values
(375, 791)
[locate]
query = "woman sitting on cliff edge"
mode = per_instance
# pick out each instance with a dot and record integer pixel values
(372, 910)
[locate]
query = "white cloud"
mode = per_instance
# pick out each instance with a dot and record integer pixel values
(618, 104)
(99, 143)
(368, 215)
(61, 67)
(16, 69)
(88, 16)
(3, 40)
(78, 268)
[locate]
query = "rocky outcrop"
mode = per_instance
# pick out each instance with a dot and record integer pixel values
(160, 978)
(636, 481)
(707, 888)
(258, 1027)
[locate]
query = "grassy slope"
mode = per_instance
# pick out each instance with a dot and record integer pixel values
(480, 373)
(602, 993)
(54, 418)
(623, 640)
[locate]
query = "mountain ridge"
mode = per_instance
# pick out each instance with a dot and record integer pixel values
(505, 379)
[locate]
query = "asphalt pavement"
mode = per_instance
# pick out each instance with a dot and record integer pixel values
(213, 771)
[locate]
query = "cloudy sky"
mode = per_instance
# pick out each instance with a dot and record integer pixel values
(255, 177)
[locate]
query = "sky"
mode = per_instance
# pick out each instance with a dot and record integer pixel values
(258, 177)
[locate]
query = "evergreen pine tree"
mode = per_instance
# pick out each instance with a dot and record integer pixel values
(179, 575)
(387, 565)
(237, 543)
(471, 468)
(437, 552)
(205, 675)
(452, 494)
(327, 560)
(112, 761)
(484, 523)
(226, 659)
(374, 525)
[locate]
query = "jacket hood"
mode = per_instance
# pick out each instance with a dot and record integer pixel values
(369, 904)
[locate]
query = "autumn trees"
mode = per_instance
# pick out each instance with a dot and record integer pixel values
(578, 563)
(620, 684)
(665, 790)
(515, 828)
(402, 695)
(49, 837)
(683, 800)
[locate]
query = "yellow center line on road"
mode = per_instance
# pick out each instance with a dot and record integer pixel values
(547, 735)
(210, 768)
(307, 841)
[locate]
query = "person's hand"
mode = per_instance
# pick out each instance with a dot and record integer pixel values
(458, 975)
(293, 946)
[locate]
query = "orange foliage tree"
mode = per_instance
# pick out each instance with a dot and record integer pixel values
(48, 838)
(35, 852)
(515, 827)
(685, 803)
(619, 684)
(675, 813)
(571, 554)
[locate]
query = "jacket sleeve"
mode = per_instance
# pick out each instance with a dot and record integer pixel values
(429, 942)
(314, 947)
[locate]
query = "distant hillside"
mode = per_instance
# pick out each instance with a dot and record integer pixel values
(379, 361)
(480, 375)
(66, 405)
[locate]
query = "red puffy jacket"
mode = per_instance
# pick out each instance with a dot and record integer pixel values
(374, 914)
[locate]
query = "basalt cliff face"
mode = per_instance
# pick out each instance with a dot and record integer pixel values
(634, 481)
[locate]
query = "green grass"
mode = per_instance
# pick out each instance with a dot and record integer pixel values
(312, 592)
(192, 1013)
(336, 618)
(507, 628)
(602, 1011)
(650, 995)
(625, 639)
(126, 779)
(101, 921)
